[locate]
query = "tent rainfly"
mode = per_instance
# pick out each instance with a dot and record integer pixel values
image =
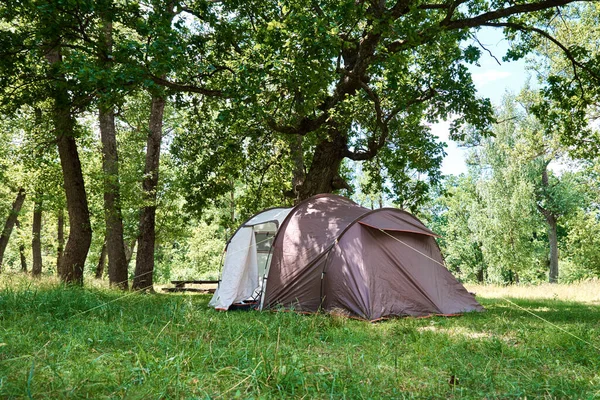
(330, 253)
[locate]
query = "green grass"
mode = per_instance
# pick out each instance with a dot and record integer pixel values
(90, 343)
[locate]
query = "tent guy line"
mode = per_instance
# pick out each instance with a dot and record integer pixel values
(552, 324)
(503, 298)
(412, 248)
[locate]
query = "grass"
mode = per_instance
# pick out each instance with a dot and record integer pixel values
(97, 343)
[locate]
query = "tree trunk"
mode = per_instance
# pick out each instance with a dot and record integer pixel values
(36, 244)
(144, 266)
(60, 236)
(480, 275)
(117, 262)
(22, 250)
(551, 220)
(10, 223)
(72, 261)
(129, 251)
(101, 262)
(553, 239)
(323, 174)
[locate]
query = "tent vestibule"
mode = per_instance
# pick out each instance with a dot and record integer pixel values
(246, 255)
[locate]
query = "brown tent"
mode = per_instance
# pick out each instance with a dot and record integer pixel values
(333, 254)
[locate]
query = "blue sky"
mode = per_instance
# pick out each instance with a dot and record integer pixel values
(492, 81)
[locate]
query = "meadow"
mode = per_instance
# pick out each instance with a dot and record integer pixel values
(92, 342)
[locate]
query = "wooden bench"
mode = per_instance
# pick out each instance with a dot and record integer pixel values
(180, 286)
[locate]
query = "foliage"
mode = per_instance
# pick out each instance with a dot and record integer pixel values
(452, 214)
(494, 221)
(253, 84)
(567, 61)
(214, 165)
(583, 240)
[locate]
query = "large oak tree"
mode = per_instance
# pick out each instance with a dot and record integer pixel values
(357, 80)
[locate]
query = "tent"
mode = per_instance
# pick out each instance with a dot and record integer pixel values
(329, 253)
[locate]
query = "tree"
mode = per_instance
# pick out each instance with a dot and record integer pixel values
(358, 80)
(33, 34)
(144, 267)
(114, 246)
(36, 244)
(21, 250)
(11, 220)
(518, 187)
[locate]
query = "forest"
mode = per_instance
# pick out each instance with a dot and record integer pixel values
(136, 136)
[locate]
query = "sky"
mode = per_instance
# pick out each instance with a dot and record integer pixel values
(492, 81)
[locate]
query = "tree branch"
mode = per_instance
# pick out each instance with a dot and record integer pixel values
(481, 19)
(485, 48)
(304, 126)
(374, 146)
(552, 39)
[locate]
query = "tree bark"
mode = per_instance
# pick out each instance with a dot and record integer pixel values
(60, 237)
(36, 244)
(72, 261)
(101, 262)
(10, 223)
(144, 266)
(323, 174)
(553, 239)
(115, 246)
(117, 261)
(22, 251)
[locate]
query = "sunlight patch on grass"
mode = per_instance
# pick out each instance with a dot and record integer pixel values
(586, 291)
(467, 333)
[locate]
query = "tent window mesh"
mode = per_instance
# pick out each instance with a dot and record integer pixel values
(264, 240)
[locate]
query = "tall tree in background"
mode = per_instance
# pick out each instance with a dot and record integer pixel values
(22, 250)
(144, 268)
(520, 195)
(115, 245)
(36, 235)
(555, 195)
(80, 233)
(453, 215)
(11, 220)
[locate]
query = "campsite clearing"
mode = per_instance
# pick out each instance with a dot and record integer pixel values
(98, 343)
